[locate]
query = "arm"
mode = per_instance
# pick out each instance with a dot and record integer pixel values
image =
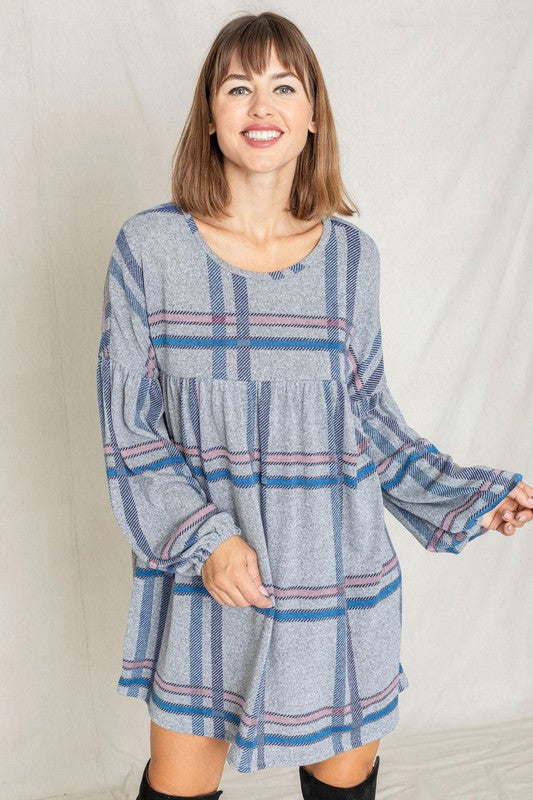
(160, 507)
(440, 502)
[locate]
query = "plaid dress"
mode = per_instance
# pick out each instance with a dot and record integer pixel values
(235, 402)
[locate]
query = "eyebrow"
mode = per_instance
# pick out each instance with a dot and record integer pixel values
(275, 76)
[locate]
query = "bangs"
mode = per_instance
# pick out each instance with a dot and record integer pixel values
(252, 45)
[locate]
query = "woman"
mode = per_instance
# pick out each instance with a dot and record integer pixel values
(252, 444)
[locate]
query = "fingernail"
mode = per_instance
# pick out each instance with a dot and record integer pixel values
(521, 518)
(263, 590)
(509, 527)
(507, 515)
(531, 500)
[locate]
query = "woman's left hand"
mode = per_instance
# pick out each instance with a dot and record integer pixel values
(518, 504)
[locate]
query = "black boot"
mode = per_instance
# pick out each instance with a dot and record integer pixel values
(313, 789)
(147, 793)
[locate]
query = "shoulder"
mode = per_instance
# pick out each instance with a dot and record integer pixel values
(153, 225)
(362, 242)
(363, 270)
(362, 255)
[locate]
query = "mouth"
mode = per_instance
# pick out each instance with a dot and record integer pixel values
(262, 138)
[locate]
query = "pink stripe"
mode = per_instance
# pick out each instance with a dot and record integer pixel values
(332, 591)
(280, 719)
(283, 719)
(139, 448)
(386, 462)
(290, 458)
(354, 369)
(372, 579)
(276, 319)
(151, 366)
(328, 591)
(148, 662)
(281, 458)
(349, 459)
(237, 458)
(216, 452)
(184, 527)
(450, 517)
(312, 717)
(176, 688)
(367, 701)
(197, 691)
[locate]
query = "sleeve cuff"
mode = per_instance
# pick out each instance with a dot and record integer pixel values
(213, 532)
(503, 483)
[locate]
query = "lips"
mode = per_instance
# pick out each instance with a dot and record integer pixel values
(262, 128)
(274, 131)
(262, 142)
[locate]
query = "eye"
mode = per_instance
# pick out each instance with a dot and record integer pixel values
(236, 93)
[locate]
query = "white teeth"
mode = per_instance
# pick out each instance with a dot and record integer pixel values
(262, 134)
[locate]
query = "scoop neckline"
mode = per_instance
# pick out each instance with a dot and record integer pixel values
(313, 257)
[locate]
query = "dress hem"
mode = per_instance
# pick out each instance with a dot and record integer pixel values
(336, 741)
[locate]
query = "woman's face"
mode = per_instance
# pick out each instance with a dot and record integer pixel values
(267, 101)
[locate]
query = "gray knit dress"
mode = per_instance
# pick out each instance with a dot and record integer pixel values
(235, 402)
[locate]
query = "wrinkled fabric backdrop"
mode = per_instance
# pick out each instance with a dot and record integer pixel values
(433, 106)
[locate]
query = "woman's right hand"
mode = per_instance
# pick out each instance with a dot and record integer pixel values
(231, 575)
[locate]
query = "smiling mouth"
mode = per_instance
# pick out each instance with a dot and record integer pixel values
(262, 136)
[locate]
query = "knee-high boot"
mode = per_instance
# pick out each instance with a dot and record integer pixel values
(313, 789)
(147, 793)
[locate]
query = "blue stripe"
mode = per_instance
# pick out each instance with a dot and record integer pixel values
(204, 712)
(190, 341)
(268, 738)
(316, 737)
(481, 513)
(372, 601)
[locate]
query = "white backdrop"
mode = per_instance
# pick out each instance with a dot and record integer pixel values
(433, 105)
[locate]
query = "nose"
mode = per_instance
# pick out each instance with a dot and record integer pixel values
(261, 104)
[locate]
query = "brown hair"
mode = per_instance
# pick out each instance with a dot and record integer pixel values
(199, 185)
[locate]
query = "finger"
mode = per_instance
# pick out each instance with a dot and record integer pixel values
(518, 517)
(250, 589)
(234, 594)
(248, 596)
(256, 579)
(522, 516)
(522, 494)
(510, 507)
(257, 598)
(509, 504)
(221, 597)
(506, 528)
(253, 582)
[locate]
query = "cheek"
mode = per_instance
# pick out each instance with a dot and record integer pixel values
(224, 116)
(300, 118)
